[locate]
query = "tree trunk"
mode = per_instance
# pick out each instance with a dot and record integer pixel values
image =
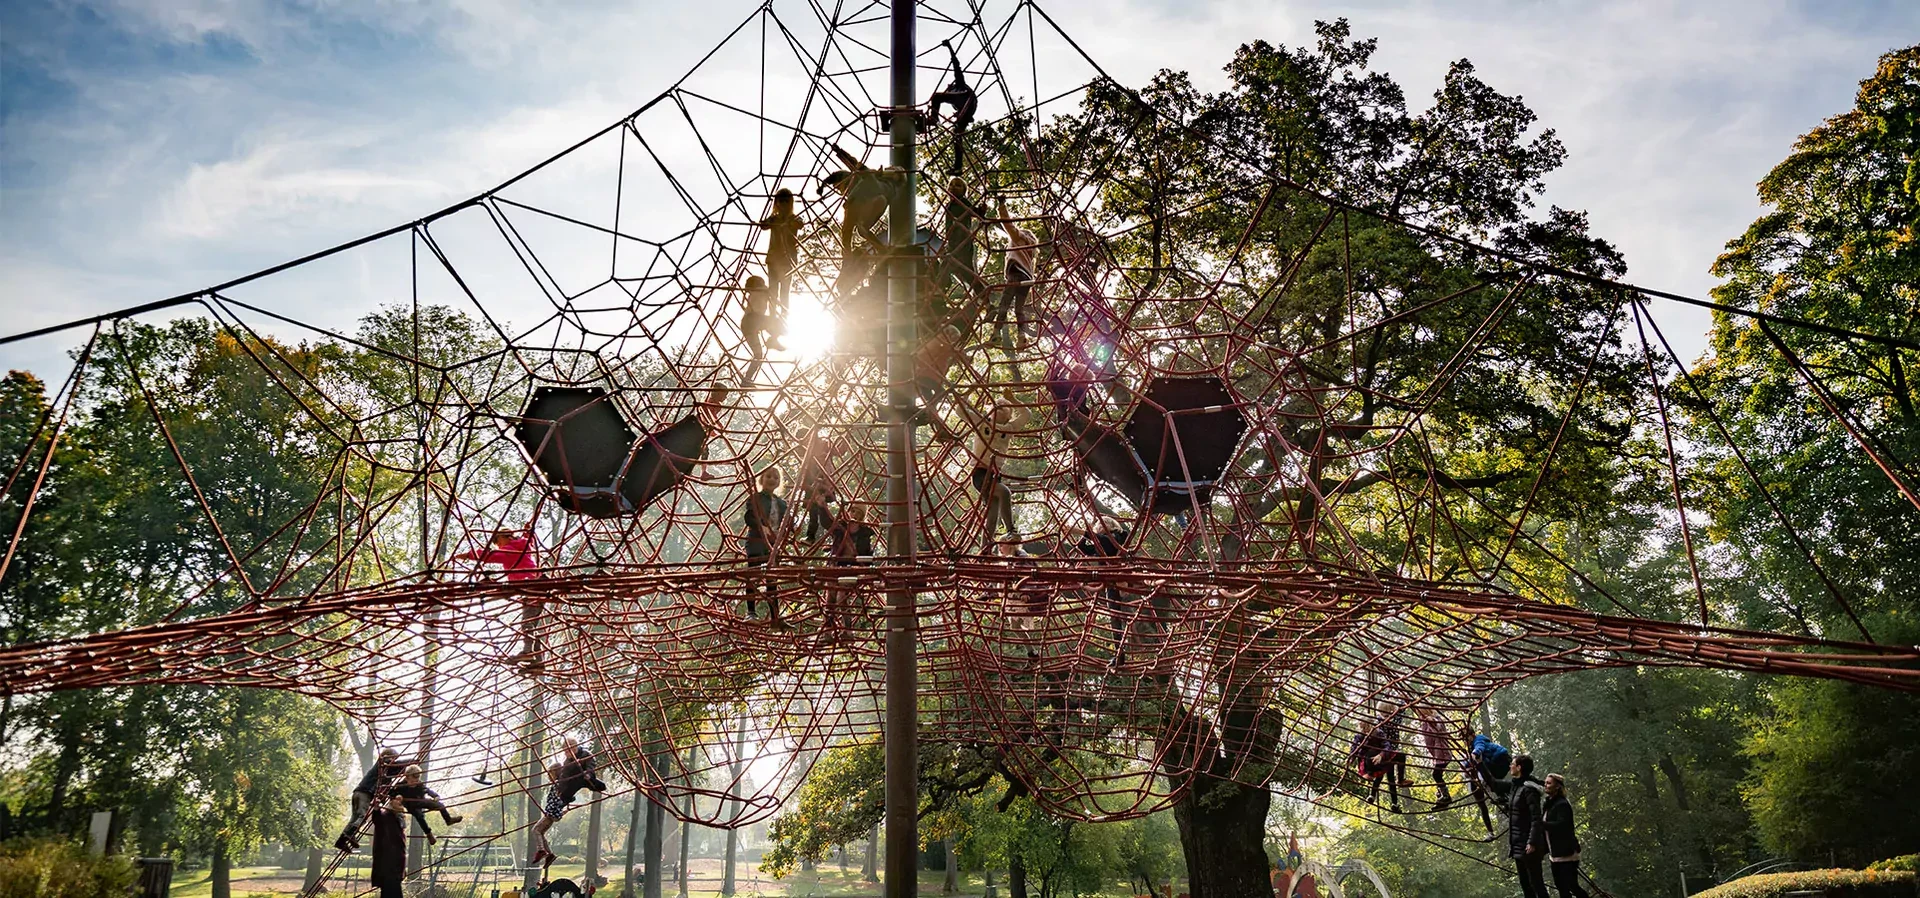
(1222, 827)
(222, 872)
(1016, 876)
(950, 883)
(315, 855)
(870, 870)
(686, 845)
(633, 838)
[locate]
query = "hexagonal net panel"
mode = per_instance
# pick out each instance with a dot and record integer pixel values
(1198, 496)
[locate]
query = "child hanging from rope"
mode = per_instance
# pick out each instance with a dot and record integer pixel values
(420, 798)
(783, 248)
(373, 787)
(960, 95)
(765, 519)
(566, 779)
(758, 319)
(513, 550)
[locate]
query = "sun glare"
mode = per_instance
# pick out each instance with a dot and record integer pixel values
(810, 327)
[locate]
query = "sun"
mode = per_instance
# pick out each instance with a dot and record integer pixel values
(810, 326)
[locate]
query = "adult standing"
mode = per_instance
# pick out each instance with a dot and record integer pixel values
(1526, 833)
(1563, 847)
(389, 866)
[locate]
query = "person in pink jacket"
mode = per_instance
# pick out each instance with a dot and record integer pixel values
(510, 549)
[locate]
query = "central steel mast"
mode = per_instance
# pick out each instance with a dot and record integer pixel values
(903, 724)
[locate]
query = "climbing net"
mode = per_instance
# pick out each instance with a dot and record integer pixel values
(1181, 517)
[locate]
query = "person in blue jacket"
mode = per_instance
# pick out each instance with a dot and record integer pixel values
(1491, 761)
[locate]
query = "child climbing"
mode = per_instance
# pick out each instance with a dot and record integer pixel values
(512, 550)
(852, 545)
(991, 439)
(1022, 250)
(960, 242)
(387, 766)
(866, 192)
(959, 95)
(783, 248)
(759, 319)
(1439, 751)
(566, 779)
(420, 798)
(1377, 756)
(765, 519)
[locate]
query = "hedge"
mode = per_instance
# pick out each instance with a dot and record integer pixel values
(55, 868)
(1826, 883)
(1908, 862)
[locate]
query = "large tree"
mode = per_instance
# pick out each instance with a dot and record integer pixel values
(1819, 509)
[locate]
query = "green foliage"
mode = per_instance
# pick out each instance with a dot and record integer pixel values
(1829, 753)
(57, 868)
(1840, 883)
(1907, 862)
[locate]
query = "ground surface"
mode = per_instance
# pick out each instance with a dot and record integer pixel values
(703, 882)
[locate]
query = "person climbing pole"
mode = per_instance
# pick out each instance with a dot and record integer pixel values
(959, 95)
(512, 550)
(758, 321)
(1563, 847)
(372, 788)
(783, 248)
(765, 518)
(1022, 250)
(419, 798)
(1526, 831)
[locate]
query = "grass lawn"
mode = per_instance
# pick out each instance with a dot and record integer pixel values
(703, 881)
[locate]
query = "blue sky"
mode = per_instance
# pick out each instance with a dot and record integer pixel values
(150, 147)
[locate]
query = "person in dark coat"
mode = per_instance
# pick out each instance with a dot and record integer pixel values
(385, 769)
(1563, 847)
(1526, 833)
(389, 866)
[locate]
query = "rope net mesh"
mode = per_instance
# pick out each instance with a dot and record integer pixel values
(1171, 526)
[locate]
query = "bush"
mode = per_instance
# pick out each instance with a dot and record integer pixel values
(1829, 883)
(53, 868)
(1908, 862)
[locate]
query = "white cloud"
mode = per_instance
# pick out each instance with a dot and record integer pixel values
(1671, 111)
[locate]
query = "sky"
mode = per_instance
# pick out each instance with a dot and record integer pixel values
(153, 147)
